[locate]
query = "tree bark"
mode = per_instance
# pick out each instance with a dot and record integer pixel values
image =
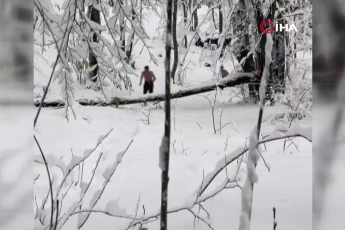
(195, 16)
(268, 65)
(174, 27)
(277, 76)
(130, 49)
(235, 79)
(190, 8)
(214, 19)
(242, 48)
(220, 19)
(164, 149)
(122, 29)
(185, 22)
(94, 16)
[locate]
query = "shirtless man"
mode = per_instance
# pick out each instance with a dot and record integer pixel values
(149, 79)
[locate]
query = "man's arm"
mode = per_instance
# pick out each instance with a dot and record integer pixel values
(153, 76)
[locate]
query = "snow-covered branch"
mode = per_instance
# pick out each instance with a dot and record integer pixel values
(295, 131)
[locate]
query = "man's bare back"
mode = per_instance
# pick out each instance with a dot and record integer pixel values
(148, 76)
(149, 79)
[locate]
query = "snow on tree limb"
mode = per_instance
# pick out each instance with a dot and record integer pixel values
(295, 131)
(107, 175)
(247, 190)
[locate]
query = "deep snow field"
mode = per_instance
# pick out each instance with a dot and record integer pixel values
(194, 149)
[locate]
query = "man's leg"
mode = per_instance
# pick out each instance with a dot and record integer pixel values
(145, 88)
(151, 88)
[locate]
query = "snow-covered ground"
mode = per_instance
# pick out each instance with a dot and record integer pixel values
(195, 150)
(16, 167)
(287, 186)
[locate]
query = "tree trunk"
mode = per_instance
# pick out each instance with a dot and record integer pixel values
(174, 27)
(242, 48)
(295, 43)
(266, 63)
(195, 17)
(141, 12)
(214, 19)
(130, 49)
(233, 80)
(220, 19)
(123, 35)
(185, 23)
(190, 8)
(277, 78)
(94, 16)
(164, 150)
(287, 56)
(122, 22)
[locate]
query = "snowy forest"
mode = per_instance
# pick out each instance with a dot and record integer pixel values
(158, 114)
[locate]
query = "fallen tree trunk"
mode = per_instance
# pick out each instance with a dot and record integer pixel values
(234, 80)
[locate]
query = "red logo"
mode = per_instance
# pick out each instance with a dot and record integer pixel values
(267, 26)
